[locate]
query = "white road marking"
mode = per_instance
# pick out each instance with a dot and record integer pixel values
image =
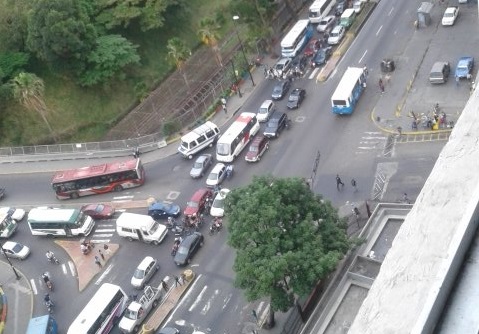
(377, 33)
(102, 277)
(313, 74)
(115, 199)
(198, 299)
(226, 300)
(208, 303)
(183, 300)
(34, 286)
(102, 235)
(100, 241)
(64, 268)
(72, 268)
(361, 59)
(104, 230)
(172, 195)
(390, 12)
(120, 210)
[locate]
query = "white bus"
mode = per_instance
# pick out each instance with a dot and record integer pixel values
(349, 90)
(238, 135)
(59, 222)
(296, 38)
(101, 313)
(319, 9)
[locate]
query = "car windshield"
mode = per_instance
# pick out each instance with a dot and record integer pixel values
(139, 274)
(154, 228)
(198, 164)
(323, 23)
(213, 176)
(99, 208)
(462, 65)
(222, 148)
(334, 34)
(253, 148)
(218, 203)
(130, 314)
(277, 89)
(279, 66)
(448, 15)
(192, 204)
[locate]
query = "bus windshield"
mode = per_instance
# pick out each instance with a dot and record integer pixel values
(98, 179)
(222, 149)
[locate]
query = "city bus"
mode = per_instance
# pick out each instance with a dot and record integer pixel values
(7, 225)
(296, 38)
(349, 90)
(98, 179)
(45, 324)
(59, 222)
(101, 313)
(238, 135)
(319, 9)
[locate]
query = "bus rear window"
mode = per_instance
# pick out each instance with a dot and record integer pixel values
(339, 102)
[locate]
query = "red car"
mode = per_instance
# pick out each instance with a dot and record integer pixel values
(197, 203)
(98, 211)
(258, 146)
(313, 46)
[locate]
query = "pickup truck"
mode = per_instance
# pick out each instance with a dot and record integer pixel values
(450, 16)
(139, 309)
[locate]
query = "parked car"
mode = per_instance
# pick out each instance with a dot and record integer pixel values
(313, 45)
(98, 211)
(201, 165)
(439, 72)
(276, 124)
(144, 272)
(296, 98)
(15, 250)
(196, 205)
(159, 210)
(299, 63)
(450, 16)
(188, 247)
(282, 66)
(16, 214)
(357, 6)
(218, 206)
(321, 56)
(280, 89)
(217, 175)
(464, 67)
(326, 24)
(336, 35)
(256, 149)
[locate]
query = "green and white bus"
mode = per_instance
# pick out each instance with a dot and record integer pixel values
(60, 222)
(7, 225)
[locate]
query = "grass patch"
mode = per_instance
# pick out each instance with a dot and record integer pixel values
(86, 114)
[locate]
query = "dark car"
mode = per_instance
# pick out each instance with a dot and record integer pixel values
(276, 124)
(201, 165)
(464, 67)
(196, 205)
(299, 64)
(159, 210)
(98, 211)
(258, 146)
(340, 7)
(313, 46)
(296, 98)
(188, 248)
(280, 89)
(321, 56)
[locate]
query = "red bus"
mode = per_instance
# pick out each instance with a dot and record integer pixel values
(98, 179)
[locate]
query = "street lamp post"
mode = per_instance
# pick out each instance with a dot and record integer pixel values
(10, 263)
(236, 79)
(236, 18)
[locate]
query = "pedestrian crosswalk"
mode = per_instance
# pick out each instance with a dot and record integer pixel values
(372, 141)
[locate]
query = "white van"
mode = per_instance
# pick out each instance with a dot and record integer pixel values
(266, 109)
(198, 139)
(134, 226)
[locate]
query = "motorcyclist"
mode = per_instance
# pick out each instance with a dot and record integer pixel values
(50, 256)
(47, 300)
(46, 279)
(84, 248)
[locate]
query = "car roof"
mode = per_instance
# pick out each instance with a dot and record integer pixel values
(276, 115)
(266, 103)
(296, 90)
(145, 262)
(203, 157)
(189, 239)
(328, 18)
(199, 194)
(465, 59)
(157, 206)
(257, 139)
(283, 60)
(218, 167)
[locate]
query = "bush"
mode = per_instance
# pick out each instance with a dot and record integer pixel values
(171, 127)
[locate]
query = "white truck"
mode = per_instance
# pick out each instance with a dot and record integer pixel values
(450, 16)
(134, 226)
(139, 309)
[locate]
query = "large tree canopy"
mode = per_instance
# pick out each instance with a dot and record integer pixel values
(60, 32)
(286, 237)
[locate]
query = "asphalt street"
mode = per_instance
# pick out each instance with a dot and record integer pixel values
(351, 146)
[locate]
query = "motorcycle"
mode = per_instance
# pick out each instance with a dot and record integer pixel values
(216, 226)
(52, 258)
(47, 281)
(86, 247)
(49, 303)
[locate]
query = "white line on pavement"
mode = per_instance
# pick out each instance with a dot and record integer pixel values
(198, 299)
(34, 286)
(107, 270)
(313, 74)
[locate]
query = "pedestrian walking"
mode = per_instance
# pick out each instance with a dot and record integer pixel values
(365, 70)
(183, 278)
(354, 184)
(106, 249)
(177, 281)
(381, 85)
(406, 199)
(339, 182)
(164, 285)
(101, 254)
(255, 316)
(223, 103)
(97, 261)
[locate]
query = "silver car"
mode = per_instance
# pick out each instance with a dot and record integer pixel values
(336, 35)
(201, 165)
(144, 272)
(326, 23)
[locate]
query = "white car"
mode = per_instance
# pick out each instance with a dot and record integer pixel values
(326, 23)
(282, 67)
(16, 214)
(15, 250)
(218, 206)
(357, 6)
(145, 270)
(217, 175)
(336, 35)
(450, 16)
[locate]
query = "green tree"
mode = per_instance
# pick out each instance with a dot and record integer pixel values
(208, 33)
(286, 238)
(120, 13)
(11, 63)
(111, 54)
(13, 24)
(178, 53)
(60, 32)
(28, 90)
